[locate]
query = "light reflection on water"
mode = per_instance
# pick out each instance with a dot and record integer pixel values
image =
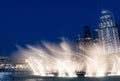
(9, 76)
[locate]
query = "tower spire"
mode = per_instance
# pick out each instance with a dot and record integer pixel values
(102, 6)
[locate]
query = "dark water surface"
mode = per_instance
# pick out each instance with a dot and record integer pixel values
(12, 76)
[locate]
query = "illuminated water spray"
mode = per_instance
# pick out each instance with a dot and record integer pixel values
(61, 60)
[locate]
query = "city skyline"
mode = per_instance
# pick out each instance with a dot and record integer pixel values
(29, 22)
(106, 36)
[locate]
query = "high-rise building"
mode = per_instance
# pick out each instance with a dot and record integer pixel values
(79, 45)
(118, 26)
(108, 33)
(87, 36)
(95, 35)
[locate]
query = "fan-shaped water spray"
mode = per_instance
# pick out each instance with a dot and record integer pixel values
(62, 60)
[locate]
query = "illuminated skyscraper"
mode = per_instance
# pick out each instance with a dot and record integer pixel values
(108, 33)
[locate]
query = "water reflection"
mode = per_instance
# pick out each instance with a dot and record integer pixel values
(15, 76)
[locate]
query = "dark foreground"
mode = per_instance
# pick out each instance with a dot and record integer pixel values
(12, 76)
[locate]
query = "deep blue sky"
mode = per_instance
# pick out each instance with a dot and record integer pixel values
(30, 21)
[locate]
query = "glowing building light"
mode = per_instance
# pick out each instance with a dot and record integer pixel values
(108, 32)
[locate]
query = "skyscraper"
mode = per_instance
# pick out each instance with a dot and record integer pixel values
(79, 45)
(108, 33)
(96, 35)
(87, 36)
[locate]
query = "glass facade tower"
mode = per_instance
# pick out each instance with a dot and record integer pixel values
(108, 33)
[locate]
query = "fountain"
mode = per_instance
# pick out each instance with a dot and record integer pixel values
(61, 60)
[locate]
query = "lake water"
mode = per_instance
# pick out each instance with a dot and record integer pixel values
(12, 76)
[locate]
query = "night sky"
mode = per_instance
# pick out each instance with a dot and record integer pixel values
(30, 21)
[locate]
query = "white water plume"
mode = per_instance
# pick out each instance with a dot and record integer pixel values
(62, 60)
